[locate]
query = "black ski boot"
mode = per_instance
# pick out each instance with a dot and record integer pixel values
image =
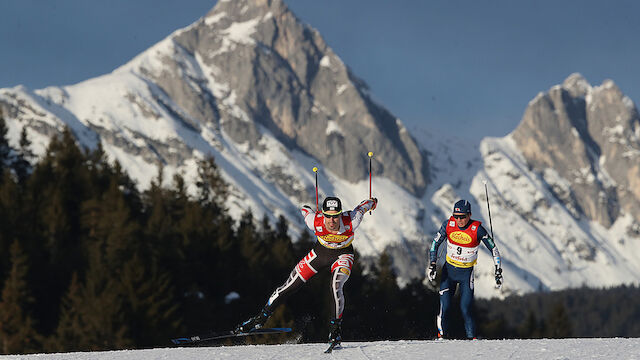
(335, 331)
(253, 323)
(335, 335)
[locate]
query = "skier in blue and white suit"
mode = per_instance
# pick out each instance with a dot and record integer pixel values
(463, 236)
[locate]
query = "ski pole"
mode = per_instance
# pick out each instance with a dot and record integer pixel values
(488, 208)
(486, 192)
(370, 172)
(315, 170)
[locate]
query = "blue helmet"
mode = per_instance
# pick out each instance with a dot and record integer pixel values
(462, 207)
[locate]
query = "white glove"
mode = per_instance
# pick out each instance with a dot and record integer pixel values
(432, 272)
(375, 203)
(498, 277)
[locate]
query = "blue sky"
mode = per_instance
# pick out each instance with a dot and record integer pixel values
(463, 67)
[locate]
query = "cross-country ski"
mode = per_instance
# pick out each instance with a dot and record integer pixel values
(211, 336)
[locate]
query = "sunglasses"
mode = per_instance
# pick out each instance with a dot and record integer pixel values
(331, 216)
(460, 216)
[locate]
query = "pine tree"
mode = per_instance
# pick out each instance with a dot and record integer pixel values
(281, 249)
(59, 184)
(17, 334)
(530, 327)
(22, 161)
(375, 308)
(251, 246)
(5, 148)
(10, 211)
(68, 334)
(92, 316)
(160, 228)
(211, 186)
(386, 290)
(109, 220)
(558, 322)
(150, 307)
(55, 191)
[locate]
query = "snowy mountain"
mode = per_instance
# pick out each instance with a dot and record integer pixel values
(448, 349)
(265, 95)
(561, 186)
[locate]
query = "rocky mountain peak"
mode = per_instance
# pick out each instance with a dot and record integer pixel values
(236, 9)
(246, 70)
(588, 136)
(252, 64)
(576, 85)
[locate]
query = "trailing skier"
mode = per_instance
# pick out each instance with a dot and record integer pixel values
(463, 236)
(333, 250)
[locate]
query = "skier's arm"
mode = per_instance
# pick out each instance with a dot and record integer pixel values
(309, 216)
(431, 270)
(358, 213)
(437, 240)
(491, 245)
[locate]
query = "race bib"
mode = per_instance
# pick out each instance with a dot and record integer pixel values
(461, 256)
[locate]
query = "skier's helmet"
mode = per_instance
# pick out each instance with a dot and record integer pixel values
(331, 206)
(462, 207)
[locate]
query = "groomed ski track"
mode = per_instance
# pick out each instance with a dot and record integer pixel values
(610, 348)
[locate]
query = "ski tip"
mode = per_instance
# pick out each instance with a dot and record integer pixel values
(185, 340)
(283, 329)
(180, 341)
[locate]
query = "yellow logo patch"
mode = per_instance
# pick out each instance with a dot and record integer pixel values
(345, 271)
(460, 237)
(334, 237)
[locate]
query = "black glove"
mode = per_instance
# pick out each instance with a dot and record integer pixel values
(432, 272)
(498, 277)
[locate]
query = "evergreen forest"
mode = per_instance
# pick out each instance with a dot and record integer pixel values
(90, 262)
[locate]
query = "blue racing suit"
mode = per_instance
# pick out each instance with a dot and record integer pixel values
(462, 253)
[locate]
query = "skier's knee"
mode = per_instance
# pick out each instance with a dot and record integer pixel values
(304, 268)
(345, 261)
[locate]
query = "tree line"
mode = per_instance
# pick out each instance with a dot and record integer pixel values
(90, 262)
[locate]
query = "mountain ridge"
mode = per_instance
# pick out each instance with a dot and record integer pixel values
(262, 93)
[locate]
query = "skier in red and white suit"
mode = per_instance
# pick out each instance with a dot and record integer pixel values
(334, 230)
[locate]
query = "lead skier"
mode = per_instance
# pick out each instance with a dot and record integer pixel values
(463, 236)
(334, 230)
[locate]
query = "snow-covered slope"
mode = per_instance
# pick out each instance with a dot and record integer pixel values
(450, 349)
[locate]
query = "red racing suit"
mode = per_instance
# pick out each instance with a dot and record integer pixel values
(333, 251)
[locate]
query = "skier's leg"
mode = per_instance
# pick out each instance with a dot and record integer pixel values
(340, 272)
(445, 301)
(300, 274)
(466, 303)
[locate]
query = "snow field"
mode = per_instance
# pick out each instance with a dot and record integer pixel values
(615, 348)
